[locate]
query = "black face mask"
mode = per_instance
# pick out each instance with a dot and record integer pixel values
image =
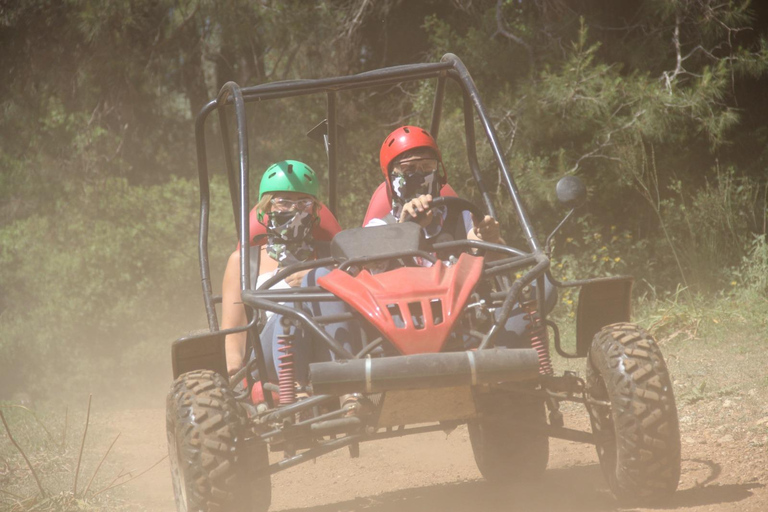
(409, 186)
(289, 236)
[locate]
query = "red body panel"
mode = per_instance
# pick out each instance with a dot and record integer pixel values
(439, 292)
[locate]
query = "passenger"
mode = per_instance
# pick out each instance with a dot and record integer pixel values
(288, 204)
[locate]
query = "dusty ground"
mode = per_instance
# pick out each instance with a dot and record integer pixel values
(725, 467)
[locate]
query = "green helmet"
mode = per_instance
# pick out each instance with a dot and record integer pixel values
(289, 176)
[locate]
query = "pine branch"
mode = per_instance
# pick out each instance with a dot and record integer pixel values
(503, 30)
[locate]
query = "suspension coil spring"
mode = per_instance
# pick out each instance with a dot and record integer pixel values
(286, 373)
(538, 334)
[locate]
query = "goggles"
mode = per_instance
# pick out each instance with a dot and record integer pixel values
(280, 204)
(420, 166)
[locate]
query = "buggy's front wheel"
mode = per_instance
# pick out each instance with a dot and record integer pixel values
(212, 463)
(504, 452)
(638, 435)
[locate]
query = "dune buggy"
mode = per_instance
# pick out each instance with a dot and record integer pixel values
(438, 359)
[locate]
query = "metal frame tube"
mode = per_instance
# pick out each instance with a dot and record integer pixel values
(474, 166)
(468, 85)
(512, 297)
(268, 305)
(205, 203)
(226, 147)
(370, 78)
(332, 152)
(437, 106)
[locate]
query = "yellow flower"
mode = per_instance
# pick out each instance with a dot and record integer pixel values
(733, 283)
(594, 257)
(617, 259)
(606, 258)
(568, 240)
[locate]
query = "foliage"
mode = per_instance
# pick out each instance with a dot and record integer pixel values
(751, 276)
(105, 279)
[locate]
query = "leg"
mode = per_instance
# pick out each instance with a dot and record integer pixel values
(268, 340)
(305, 348)
(514, 335)
(347, 333)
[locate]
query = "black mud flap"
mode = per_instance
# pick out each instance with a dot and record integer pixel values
(601, 302)
(199, 352)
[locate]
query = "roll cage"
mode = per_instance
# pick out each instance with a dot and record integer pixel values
(450, 67)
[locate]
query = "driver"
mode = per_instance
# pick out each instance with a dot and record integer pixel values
(414, 173)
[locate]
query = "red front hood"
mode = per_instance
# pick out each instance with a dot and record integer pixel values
(428, 299)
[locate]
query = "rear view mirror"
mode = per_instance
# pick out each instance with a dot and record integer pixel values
(571, 191)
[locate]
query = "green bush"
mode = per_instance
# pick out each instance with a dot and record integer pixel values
(97, 287)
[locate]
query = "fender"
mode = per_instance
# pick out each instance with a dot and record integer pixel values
(199, 352)
(602, 302)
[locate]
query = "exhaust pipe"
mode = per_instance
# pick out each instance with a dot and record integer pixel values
(424, 371)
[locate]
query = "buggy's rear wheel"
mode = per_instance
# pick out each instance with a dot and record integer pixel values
(212, 465)
(505, 452)
(638, 436)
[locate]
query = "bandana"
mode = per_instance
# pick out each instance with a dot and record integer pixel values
(411, 186)
(289, 239)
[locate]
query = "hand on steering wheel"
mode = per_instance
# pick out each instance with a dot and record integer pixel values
(418, 210)
(487, 229)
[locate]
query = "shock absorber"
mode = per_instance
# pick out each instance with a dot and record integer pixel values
(286, 373)
(538, 334)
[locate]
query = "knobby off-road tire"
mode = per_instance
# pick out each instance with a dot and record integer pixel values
(504, 452)
(638, 437)
(211, 466)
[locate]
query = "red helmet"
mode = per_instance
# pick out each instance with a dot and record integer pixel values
(402, 140)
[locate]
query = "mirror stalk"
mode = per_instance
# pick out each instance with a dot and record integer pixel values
(547, 244)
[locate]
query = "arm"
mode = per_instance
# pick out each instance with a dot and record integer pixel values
(233, 314)
(487, 230)
(233, 311)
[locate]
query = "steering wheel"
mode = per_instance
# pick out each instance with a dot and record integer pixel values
(454, 203)
(462, 204)
(458, 203)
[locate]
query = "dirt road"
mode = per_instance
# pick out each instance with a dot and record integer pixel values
(724, 468)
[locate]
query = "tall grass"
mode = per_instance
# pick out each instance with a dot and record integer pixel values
(43, 468)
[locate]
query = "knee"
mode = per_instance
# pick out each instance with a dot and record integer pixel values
(310, 279)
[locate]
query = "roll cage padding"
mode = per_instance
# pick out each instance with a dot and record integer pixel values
(381, 204)
(325, 230)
